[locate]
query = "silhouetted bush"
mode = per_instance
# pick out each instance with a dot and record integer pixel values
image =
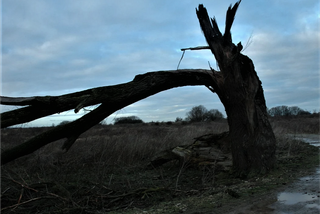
(127, 120)
(213, 114)
(178, 119)
(200, 114)
(287, 111)
(197, 114)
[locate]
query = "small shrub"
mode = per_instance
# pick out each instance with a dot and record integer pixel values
(178, 119)
(127, 120)
(201, 114)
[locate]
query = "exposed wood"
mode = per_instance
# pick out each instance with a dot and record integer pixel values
(240, 90)
(207, 150)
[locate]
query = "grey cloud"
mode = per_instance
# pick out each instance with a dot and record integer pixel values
(56, 47)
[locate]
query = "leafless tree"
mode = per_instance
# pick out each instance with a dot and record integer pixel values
(237, 84)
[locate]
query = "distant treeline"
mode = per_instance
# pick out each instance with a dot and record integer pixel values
(127, 120)
(201, 114)
(196, 114)
(285, 111)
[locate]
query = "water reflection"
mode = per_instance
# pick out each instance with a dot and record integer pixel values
(289, 198)
(312, 139)
(313, 206)
(310, 177)
(304, 195)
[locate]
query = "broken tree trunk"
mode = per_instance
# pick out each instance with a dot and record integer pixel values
(238, 86)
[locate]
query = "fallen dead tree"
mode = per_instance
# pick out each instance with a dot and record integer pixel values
(251, 138)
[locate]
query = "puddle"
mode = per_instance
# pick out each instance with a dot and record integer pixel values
(313, 142)
(312, 139)
(316, 206)
(289, 198)
(314, 177)
(302, 196)
(308, 178)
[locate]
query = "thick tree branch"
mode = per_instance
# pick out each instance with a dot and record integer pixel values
(143, 86)
(112, 98)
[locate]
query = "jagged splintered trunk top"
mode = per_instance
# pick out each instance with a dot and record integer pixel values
(239, 89)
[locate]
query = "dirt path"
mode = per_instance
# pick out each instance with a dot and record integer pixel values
(300, 197)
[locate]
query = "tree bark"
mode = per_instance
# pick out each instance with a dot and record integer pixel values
(111, 98)
(238, 86)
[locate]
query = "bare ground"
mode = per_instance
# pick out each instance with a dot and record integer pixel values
(106, 173)
(301, 196)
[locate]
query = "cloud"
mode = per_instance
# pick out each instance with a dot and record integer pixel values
(62, 46)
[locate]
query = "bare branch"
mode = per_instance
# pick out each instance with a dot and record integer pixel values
(112, 98)
(196, 48)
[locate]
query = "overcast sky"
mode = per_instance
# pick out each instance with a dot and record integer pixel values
(53, 47)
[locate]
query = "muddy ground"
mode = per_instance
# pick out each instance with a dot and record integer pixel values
(298, 197)
(301, 196)
(106, 173)
(294, 192)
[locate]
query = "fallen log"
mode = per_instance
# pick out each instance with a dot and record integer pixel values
(207, 150)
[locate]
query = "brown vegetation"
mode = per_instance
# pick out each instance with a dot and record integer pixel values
(106, 171)
(308, 124)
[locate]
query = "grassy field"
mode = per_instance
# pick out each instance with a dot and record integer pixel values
(105, 170)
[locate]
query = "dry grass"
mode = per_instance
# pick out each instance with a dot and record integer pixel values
(112, 144)
(295, 125)
(108, 161)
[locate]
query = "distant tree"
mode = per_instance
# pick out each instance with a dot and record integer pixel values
(200, 114)
(295, 110)
(286, 111)
(197, 114)
(303, 112)
(213, 114)
(315, 113)
(273, 112)
(178, 119)
(279, 111)
(127, 120)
